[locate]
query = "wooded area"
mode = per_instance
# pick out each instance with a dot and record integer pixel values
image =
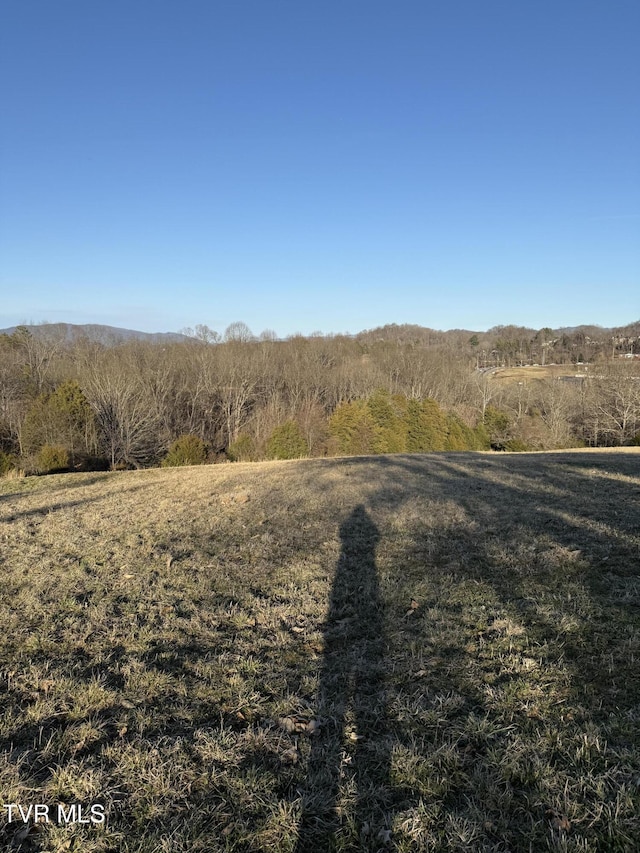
(74, 403)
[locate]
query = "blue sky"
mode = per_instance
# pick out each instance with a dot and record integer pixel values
(330, 166)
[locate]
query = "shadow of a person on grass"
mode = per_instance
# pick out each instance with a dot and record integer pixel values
(348, 773)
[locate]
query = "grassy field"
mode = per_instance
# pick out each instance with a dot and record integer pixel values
(540, 372)
(400, 653)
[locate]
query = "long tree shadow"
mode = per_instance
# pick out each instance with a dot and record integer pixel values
(351, 751)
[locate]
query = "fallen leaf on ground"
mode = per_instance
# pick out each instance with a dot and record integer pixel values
(561, 823)
(291, 756)
(297, 723)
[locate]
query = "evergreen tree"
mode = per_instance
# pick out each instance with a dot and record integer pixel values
(498, 425)
(354, 429)
(63, 418)
(286, 442)
(425, 425)
(459, 435)
(387, 415)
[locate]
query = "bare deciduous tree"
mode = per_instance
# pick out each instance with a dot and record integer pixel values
(126, 417)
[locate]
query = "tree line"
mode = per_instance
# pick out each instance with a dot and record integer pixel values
(77, 403)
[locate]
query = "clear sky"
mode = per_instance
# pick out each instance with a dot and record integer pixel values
(326, 165)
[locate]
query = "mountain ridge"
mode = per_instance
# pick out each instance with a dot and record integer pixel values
(98, 332)
(106, 334)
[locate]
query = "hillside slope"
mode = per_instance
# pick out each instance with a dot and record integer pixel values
(402, 653)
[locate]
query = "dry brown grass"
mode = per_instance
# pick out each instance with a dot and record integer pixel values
(394, 653)
(540, 372)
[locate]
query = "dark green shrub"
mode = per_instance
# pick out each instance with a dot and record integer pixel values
(243, 449)
(286, 442)
(186, 450)
(52, 458)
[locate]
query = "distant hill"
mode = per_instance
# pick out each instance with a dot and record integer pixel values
(404, 333)
(99, 333)
(412, 333)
